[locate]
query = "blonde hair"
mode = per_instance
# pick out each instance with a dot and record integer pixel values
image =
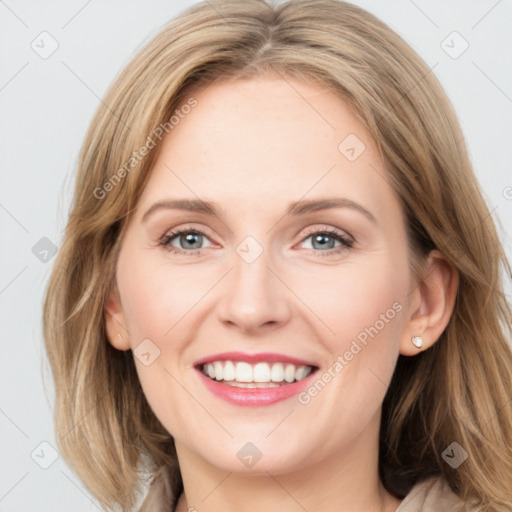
(457, 391)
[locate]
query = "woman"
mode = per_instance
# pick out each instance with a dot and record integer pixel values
(336, 336)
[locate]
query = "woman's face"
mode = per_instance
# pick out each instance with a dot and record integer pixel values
(272, 277)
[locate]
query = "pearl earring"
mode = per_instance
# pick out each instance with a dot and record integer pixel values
(417, 341)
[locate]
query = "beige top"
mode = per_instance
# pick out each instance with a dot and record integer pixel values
(432, 495)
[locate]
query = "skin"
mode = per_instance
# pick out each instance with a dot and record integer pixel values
(252, 147)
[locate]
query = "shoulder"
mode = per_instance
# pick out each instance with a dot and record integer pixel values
(432, 495)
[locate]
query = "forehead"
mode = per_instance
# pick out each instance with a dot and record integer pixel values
(268, 141)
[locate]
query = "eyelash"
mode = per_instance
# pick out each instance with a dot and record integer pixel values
(346, 242)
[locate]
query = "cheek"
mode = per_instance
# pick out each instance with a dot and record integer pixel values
(158, 306)
(156, 298)
(363, 306)
(360, 301)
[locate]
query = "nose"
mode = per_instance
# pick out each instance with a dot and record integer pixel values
(254, 297)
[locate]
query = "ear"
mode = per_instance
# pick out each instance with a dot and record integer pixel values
(432, 303)
(117, 333)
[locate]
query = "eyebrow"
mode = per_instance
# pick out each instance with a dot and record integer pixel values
(295, 209)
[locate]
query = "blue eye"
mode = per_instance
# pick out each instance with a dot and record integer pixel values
(326, 239)
(191, 241)
(190, 238)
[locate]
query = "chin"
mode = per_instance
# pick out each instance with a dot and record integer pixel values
(257, 458)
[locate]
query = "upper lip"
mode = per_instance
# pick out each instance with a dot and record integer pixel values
(262, 357)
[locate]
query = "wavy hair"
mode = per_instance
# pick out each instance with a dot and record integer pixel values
(459, 390)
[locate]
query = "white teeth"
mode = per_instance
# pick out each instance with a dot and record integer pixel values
(289, 373)
(218, 370)
(302, 372)
(269, 374)
(236, 384)
(229, 371)
(277, 373)
(262, 372)
(243, 372)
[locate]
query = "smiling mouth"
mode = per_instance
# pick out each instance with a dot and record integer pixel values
(259, 375)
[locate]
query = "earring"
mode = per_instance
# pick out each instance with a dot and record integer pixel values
(119, 336)
(417, 341)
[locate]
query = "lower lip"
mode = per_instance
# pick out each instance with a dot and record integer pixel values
(254, 397)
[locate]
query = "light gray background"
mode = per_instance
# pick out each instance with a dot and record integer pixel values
(46, 106)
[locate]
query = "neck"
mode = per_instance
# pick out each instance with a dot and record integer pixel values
(346, 480)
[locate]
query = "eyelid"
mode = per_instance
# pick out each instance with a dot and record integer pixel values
(327, 229)
(186, 228)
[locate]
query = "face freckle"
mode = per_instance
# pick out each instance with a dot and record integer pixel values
(322, 285)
